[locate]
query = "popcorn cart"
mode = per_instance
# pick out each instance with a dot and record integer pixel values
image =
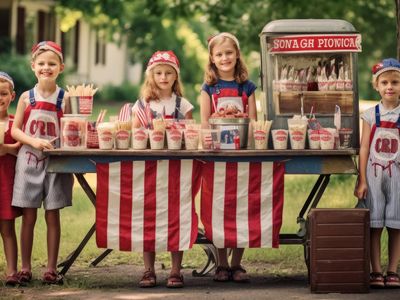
(309, 68)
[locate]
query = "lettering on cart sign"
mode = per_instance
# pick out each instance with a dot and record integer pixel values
(336, 43)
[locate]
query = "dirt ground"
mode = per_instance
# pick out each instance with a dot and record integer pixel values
(120, 283)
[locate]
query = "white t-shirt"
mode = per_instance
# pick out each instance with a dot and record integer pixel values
(386, 115)
(168, 106)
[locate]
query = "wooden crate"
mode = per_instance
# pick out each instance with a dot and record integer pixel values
(322, 102)
(338, 248)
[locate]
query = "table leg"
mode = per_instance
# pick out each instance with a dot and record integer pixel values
(74, 255)
(67, 263)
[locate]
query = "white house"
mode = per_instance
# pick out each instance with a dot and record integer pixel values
(89, 56)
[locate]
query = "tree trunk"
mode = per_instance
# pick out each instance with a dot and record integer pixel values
(398, 27)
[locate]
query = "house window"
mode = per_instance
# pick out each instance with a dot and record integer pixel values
(76, 44)
(5, 42)
(100, 57)
(20, 42)
(46, 26)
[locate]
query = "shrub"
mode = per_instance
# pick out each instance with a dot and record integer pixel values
(126, 92)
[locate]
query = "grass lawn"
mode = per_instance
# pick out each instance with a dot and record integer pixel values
(77, 220)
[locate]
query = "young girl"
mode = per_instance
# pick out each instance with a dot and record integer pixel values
(36, 126)
(226, 88)
(8, 152)
(379, 179)
(161, 96)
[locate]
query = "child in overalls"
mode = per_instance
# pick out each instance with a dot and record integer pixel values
(37, 127)
(8, 151)
(379, 163)
(161, 97)
(227, 89)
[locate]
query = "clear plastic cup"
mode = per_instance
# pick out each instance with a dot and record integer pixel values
(92, 137)
(140, 137)
(174, 139)
(73, 132)
(345, 135)
(156, 139)
(314, 139)
(210, 139)
(279, 138)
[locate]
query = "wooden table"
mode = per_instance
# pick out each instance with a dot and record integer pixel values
(321, 162)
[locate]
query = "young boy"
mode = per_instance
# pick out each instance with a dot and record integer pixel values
(36, 126)
(379, 162)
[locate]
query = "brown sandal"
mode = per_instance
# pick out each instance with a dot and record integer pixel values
(238, 274)
(24, 276)
(175, 281)
(148, 280)
(221, 274)
(52, 277)
(12, 280)
(376, 280)
(392, 280)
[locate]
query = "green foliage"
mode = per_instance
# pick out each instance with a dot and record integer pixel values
(18, 67)
(123, 93)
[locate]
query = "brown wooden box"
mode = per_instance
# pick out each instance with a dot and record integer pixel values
(338, 249)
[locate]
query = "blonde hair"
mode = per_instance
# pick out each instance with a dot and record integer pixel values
(40, 51)
(150, 91)
(9, 84)
(211, 74)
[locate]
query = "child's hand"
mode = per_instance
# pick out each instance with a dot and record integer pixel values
(361, 190)
(41, 144)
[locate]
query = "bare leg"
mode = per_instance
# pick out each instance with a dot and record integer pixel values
(237, 255)
(149, 259)
(7, 230)
(223, 258)
(394, 249)
(27, 230)
(53, 238)
(176, 258)
(375, 249)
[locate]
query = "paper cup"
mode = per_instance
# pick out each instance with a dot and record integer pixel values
(73, 132)
(192, 137)
(327, 136)
(313, 139)
(2, 131)
(345, 135)
(106, 133)
(140, 137)
(297, 133)
(279, 138)
(122, 139)
(156, 139)
(174, 139)
(260, 139)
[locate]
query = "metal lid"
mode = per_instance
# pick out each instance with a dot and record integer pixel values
(308, 26)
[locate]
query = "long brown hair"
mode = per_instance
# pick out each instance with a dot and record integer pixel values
(149, 90)
(211, 74)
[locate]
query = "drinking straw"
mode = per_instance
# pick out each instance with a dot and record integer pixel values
(213, 103)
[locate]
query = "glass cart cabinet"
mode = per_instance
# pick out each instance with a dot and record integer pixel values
(310, 67)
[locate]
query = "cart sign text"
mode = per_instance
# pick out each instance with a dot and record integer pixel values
(315, 43)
